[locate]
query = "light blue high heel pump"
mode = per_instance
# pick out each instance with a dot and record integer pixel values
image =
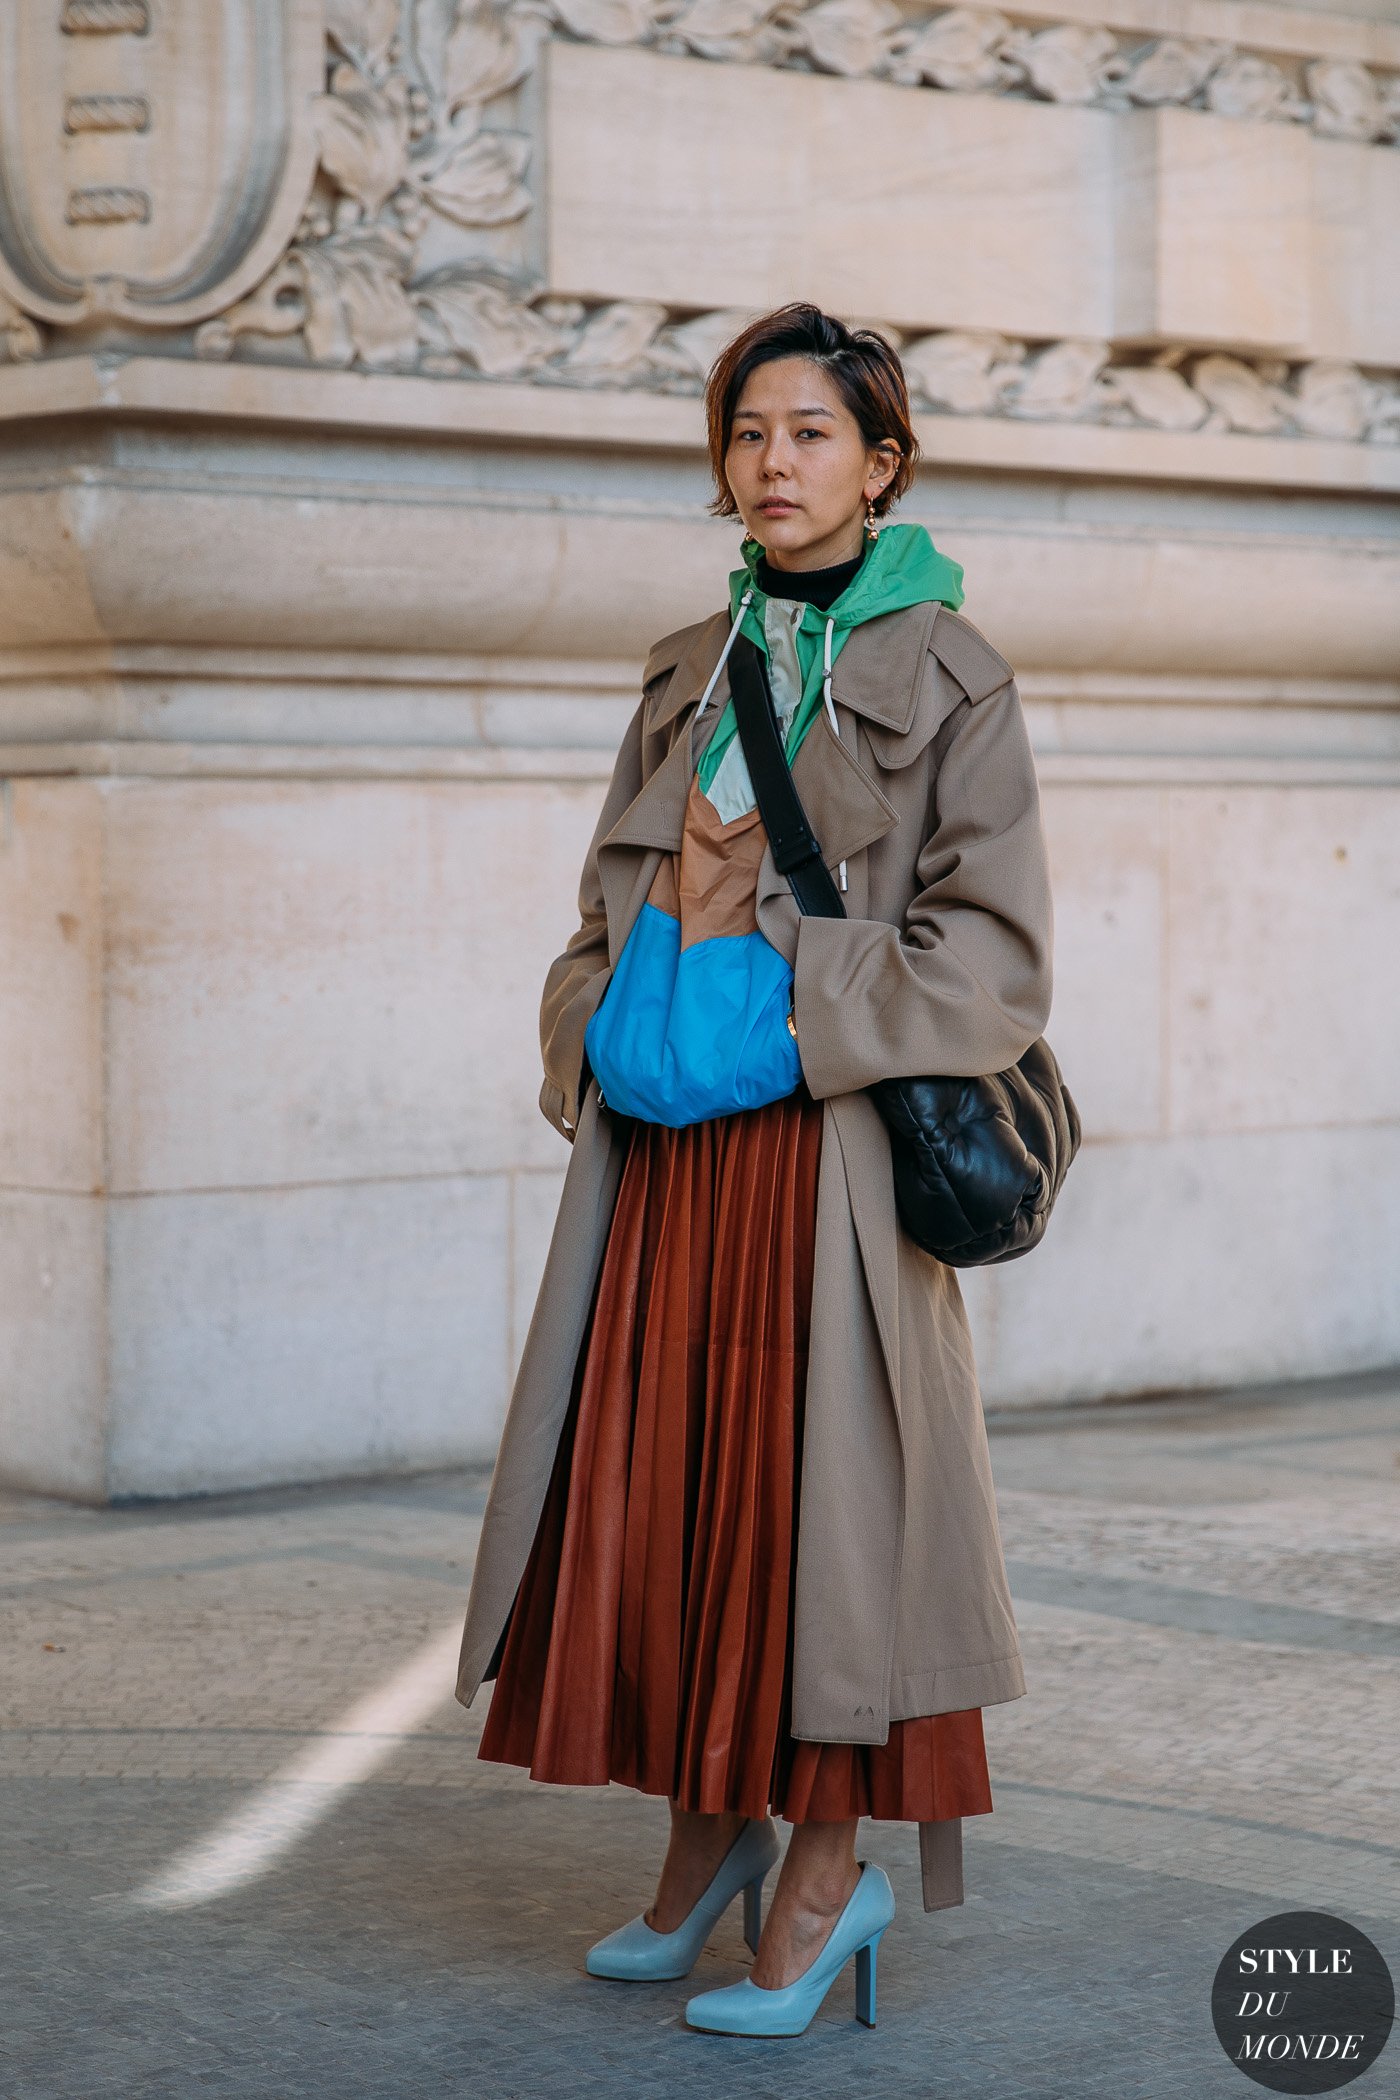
(636, 1953)
(746, 2008)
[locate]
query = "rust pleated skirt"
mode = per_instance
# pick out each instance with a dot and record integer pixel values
(651, 1636)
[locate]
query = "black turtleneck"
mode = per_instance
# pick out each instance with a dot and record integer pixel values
(817, 587)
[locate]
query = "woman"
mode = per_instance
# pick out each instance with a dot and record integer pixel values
(741, 1545)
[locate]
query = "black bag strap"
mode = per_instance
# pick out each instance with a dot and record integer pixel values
(797, 852)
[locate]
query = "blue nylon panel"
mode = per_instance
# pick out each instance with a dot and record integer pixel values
(679, 1037)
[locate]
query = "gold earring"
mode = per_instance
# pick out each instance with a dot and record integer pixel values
(871, 527)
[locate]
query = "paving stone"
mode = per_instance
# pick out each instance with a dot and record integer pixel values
(1208, 1598)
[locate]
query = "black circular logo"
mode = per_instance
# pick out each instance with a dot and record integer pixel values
(1303, 2002)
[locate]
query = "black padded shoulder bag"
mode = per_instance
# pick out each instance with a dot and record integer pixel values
(978, 1162)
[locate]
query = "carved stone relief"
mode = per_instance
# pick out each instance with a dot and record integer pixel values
(979, 373)
(411, 249)
(983, 51)
(120, 196)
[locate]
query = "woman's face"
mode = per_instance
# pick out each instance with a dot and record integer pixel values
(798, 467)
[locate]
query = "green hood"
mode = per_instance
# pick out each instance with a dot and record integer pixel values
(902, 567)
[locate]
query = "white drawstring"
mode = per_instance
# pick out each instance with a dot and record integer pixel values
(723, 654)
(826, 695)
(826, 678)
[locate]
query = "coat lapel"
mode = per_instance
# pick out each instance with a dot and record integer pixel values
(877, 676)
(846, 810)
(649, 827)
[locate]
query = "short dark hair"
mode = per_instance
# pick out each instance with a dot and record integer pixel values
(866, 370)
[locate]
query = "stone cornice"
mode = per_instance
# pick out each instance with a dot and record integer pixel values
(572, 765)
(153, 388)
(1256, 68)
(420, 138)
(132, 711)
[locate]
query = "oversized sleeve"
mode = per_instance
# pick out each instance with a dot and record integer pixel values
(963, 986)
(576, 980)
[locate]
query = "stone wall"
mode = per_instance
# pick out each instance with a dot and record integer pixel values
(334, 528)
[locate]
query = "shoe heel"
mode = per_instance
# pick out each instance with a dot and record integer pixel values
(753, 1912)
(865, 1981)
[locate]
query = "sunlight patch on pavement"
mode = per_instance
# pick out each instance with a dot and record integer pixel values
(251, 1840)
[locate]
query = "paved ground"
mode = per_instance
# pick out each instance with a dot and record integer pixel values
(1210, 1608)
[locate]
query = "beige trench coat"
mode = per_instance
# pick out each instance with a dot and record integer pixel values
(929, 795)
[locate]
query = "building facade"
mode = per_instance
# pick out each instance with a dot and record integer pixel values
(351, 456)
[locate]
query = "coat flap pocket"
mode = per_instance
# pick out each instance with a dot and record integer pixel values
(939, 696)
(960, 664)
